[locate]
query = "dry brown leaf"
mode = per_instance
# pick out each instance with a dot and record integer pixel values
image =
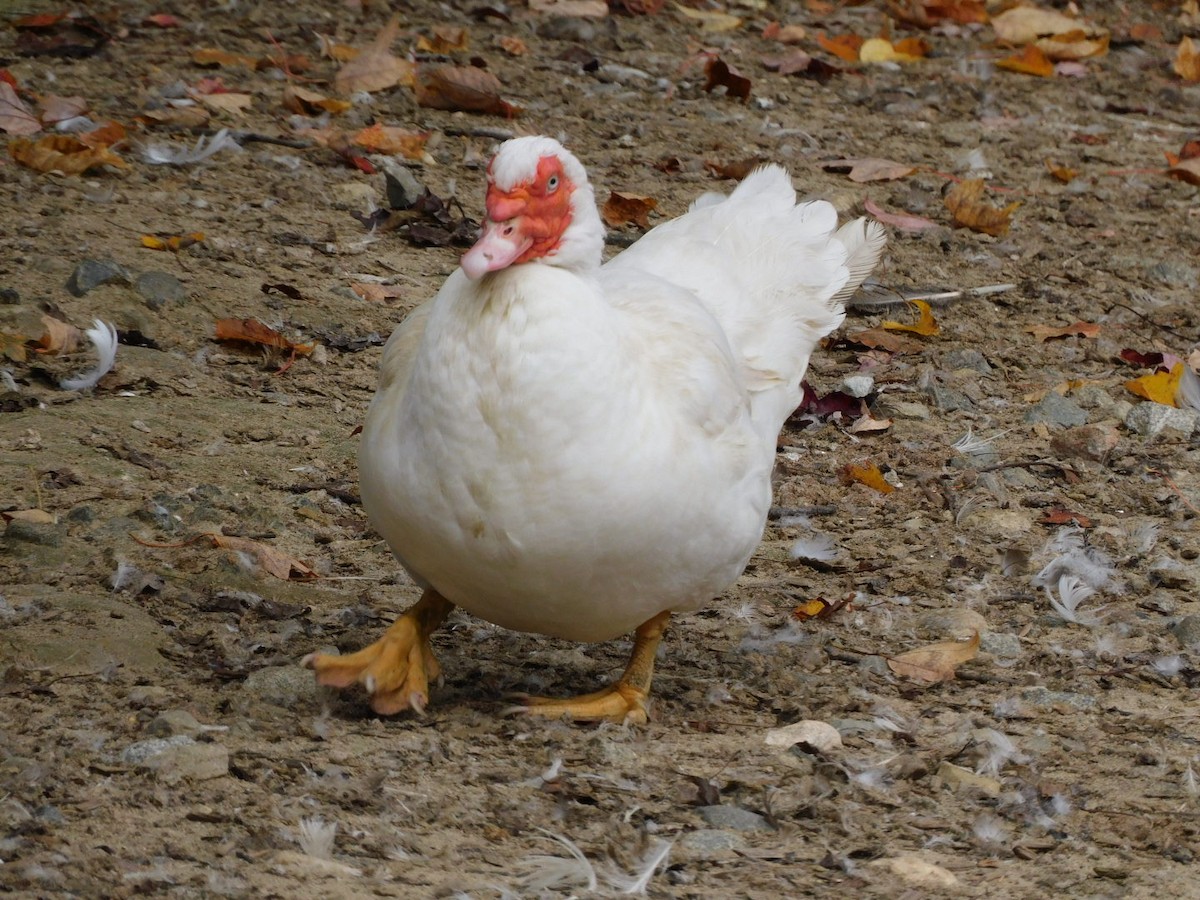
(928, 13)
(1063, 173)
(464, 88)
(719, 73)
(444, 39)
(1026, 24)
(33, 516)
(969, 210)
(926, 326)
(12, 346)
(307, 103)
(252, 331)
(331, 49)
(222, 58)
(843, 46)
(15, 116)
(1186, 170)
(936, 662)
(229, 102)
(375, 68)
(274, 562)
(511, 45)
(711, 20)
(889, 342)
(1161, 387)
(393, 140)
(58, 337)
(736, 170)
(182, 117)
(881, 50)
(870, 168)
(376, 293)
(868, 474)
(1187, 60)
(62, 153)
(903, 221)
(1064, 47)
(622, 208)
(58, 109)
(1030, 61)
(785, 34)
(1048, 332)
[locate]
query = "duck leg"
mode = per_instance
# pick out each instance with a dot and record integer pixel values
(623, 701)
(397, 668)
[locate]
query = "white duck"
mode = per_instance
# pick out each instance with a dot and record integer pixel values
(580, 450)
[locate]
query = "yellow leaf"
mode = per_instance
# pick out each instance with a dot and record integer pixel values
(936, 662)
(868, 475)
(712, 21)
(1187, 60)
(969, 210)
(1160, 387)
(927, 326)
(878, 50)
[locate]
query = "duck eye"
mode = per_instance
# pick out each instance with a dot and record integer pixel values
(552, 184)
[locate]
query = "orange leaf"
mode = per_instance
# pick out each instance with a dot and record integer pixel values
(1030, 61)
(62, 153)
(305, 102)
(926, 327)
(936, 662)
(1160, 387)
(511, 45)
(59, 337)
(880, 50)
(252, 331)
(222, 58)
(1049, 332)
(174, 242)
(868, 474)
(1062, 173)
(810, 609)
(1187, 60)
(107, 135)
(274, 562)
(968, 209)
(375, 68)
(465, 88)
(843, 46)
(1060, 516)
(622, 208)
(393, 140)
(444, 39)
(1186, 170)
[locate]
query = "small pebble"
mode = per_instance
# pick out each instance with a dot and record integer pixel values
(1094, 442)
(91, 273)
(733, 818)
(1056, 409)
(1150, 419)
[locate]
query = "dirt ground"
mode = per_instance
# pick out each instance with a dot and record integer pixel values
(156, 733)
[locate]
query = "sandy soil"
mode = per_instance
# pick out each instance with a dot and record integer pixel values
(1061, 760)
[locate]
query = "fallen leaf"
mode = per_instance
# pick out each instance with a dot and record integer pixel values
(800, 63)
(843, 46)
(1187, 60)
(444, 39)
(785, 34)
(464, 88)
(62, 153)
(928, 13)
(331, 49)
(868, 168)
(968, 209)
(878, 339)
(68, 35)
(57, 109)
(184, 118)
(868, 424)
(393, 140)
(172, 242)
(639, 7)
(1030, 61)
(1073, 46)
(736, 170)
(307, 103)
(867, 474)
(1186, 170)
(229, 102)
(210, 57)
(15, 116)
(511, 45)
(12, 347)
(252, 331)
(719, 73)
(711, 20)
(903, 221)
(927, 326)
(162, 20)
(1026, 24)
(881, 50)
(1145, 33)
(621, 208)
(1060, 516)
(1160, 387)
(376, 293)
(1062, 173)
(936, 662)
(33, 516)
(1049, 332)
(810, 609)
(58, 337)
(1145, 360)
(375, 68)
(813, 406)
(273, 562)
(811, 734)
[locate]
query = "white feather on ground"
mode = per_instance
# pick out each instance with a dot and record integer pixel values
(103, 336)
(166, 155)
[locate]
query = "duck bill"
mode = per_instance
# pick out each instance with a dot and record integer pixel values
(500, 244)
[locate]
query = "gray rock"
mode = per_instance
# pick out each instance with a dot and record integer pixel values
(1174, 273)
(1092, 396)
(42, 534)
(968, 359)
(137, 753)
(1040, 696)
(733, 818)
(160, 288)
(947, 399)
(173, 722)
(889, 407)
(567, 28)
(954, 622)
(148, 695)
(998, 643)
(288, 686)
(1056, 410)
(91, 273)
(1149, 419)
(858, 385)
(1187, 631)
(10, 296)
(709, 841)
